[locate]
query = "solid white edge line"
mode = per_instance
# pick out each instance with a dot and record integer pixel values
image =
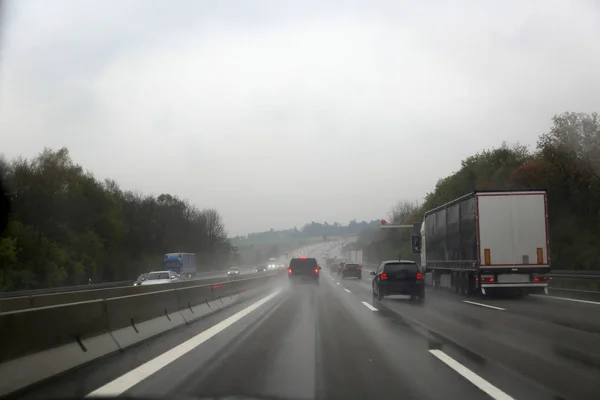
(566, 299)
(135, 376)
(484, 305)
(347, 290)
(370, 307)
(471, 376)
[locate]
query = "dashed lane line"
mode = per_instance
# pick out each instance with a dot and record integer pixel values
(471, 376)
(484, 305)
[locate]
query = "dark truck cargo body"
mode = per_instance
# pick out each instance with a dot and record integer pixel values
(488, 242)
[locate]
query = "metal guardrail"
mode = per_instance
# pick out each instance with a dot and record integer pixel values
(568, 274)
(64, 289)
(93, 286)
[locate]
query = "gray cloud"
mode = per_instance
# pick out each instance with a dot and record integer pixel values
(278, 113)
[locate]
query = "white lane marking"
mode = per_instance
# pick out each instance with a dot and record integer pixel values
(347, 290)
(337, 283)
(370, 307)
(471, 376)
(133, 377)
(484, 305)
(566, 299)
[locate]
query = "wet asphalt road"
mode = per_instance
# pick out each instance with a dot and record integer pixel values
(323, 342)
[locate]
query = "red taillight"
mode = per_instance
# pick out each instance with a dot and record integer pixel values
(316, 270)
(289, 271)
(358, 269)
(384, 276)
(487, 279)
(419, 275)
(345, 269)
(540, 279)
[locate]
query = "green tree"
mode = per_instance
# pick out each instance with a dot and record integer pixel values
(67, 227)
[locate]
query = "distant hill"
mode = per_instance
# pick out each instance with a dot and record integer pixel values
(311, 230)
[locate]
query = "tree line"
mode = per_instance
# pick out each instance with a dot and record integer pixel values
(67, 228)
(565, 162)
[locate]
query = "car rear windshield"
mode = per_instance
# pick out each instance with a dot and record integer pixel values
(352, 265)
(303, 263)
(397, 267)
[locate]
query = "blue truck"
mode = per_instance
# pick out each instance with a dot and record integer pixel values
(182, 263)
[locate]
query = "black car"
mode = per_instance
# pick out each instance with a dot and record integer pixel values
(304, 269)
(260, 268)
(398, 277)
(352, 270)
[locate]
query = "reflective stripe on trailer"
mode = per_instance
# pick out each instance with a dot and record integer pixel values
(491, 285)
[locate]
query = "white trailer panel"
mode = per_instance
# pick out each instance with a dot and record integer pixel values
(512, 229)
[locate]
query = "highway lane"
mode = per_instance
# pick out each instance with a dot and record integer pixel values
(334, 341)
(304, 343)
(552, 343)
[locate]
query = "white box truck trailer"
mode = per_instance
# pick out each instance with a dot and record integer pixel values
(356, 256)
(487, 242)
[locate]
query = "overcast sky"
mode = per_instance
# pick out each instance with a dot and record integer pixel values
(278, 113)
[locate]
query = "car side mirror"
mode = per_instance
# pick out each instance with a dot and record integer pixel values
(373, 273)
(415, 244)
(320, 268)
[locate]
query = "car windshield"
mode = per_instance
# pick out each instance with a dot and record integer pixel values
(449, 150)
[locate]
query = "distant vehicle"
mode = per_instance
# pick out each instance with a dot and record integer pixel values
(304, 270)
(272, 264)
(352, 270)
(355, 256)
(398, 277)
(160, 277)
(486, 242)
(233, 271)
(340, 267)
(140, 279)
(260, 268)
(181, 263)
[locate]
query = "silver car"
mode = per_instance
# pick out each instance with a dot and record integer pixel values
(159, 278)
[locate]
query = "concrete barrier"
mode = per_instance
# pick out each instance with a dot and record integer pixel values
(42, 342)
(194, 302)
(15, 303)
(132, 319)
(38, 343)
(45, 300)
